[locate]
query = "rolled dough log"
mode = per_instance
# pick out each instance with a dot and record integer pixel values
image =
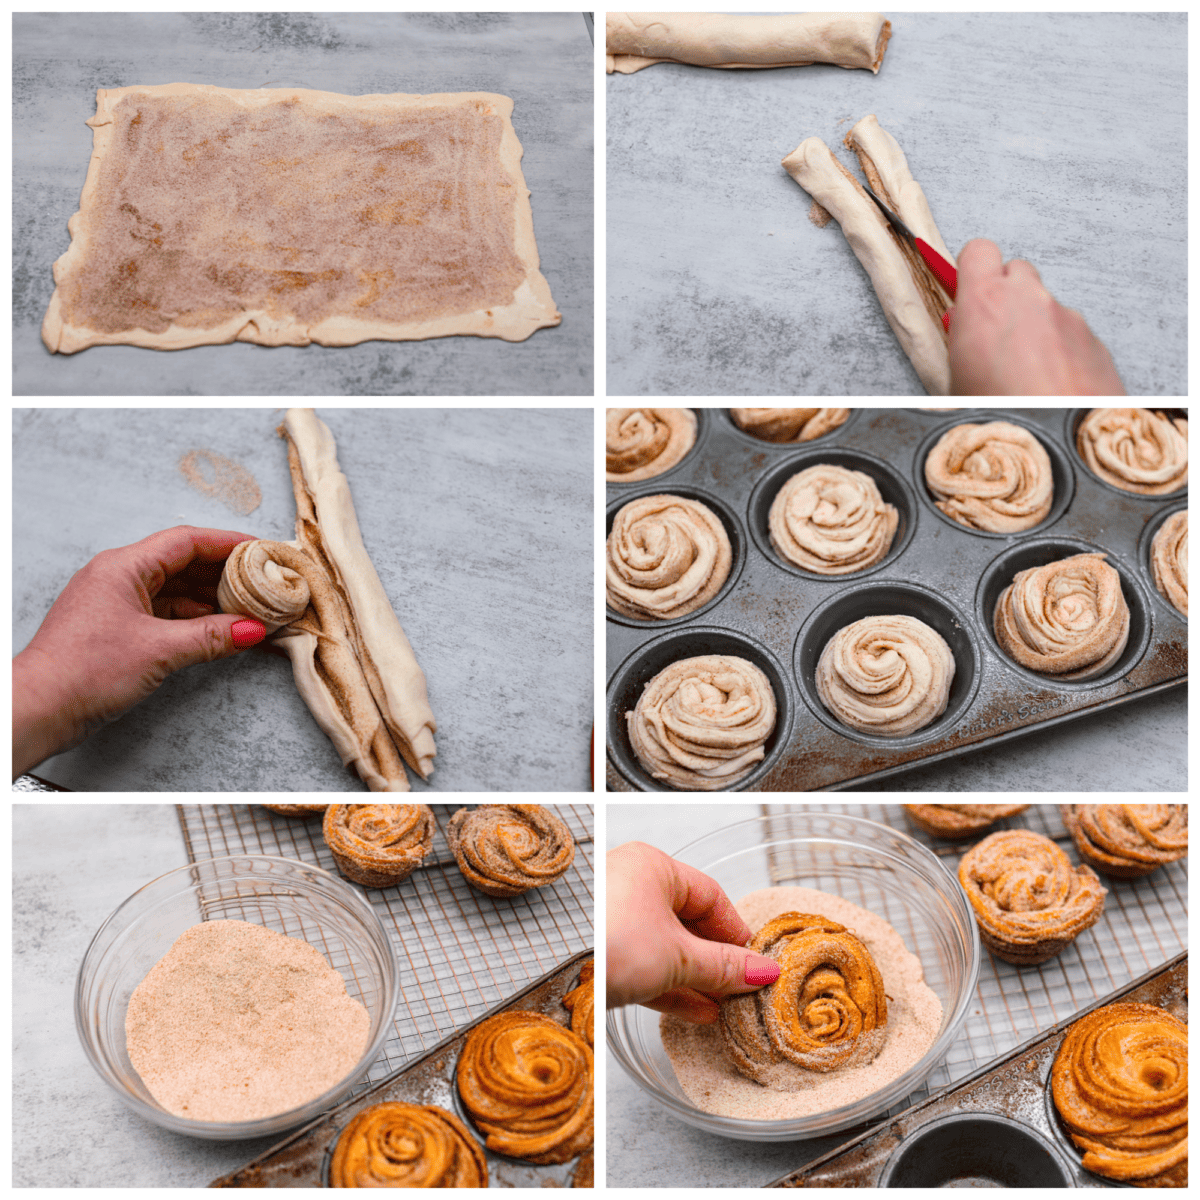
(911, 297)
(637, 40)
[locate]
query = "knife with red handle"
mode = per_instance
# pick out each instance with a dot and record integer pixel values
(943, 271)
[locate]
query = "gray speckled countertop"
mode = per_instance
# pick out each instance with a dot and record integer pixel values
(542, 60)
(466, 514)
(1062, 137)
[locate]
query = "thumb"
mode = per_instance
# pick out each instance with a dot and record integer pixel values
(206, 639)
(720, 969)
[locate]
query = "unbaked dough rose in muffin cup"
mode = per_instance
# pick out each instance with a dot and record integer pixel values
(1068, 619)
(886, 675)
(789, 424)
(643, 442)
(994, 477)
(665, 557)
(702, 723)
(1169, 560)
(832, 521)
(1135, 449)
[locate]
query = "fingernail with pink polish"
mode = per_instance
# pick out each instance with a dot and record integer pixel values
(247, 632)
(761, 971)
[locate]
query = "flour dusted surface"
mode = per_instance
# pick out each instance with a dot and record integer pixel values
(711, 1081)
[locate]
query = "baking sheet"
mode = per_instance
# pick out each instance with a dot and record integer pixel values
(543, 61)
(464, 513)
(718, 284)
(776, 616)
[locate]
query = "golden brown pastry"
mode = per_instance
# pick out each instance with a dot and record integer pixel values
(407, 1146)
(580, 1003)
(507, 849)
(378, 845)
(528, 1084)
(959, 820)
(666, 557)
(1068, 619)
(826, 1010)
(1030, 903)
(886, 675)
(1169, 560)
(1135, 449)
(1119, 1082)
(789, 424)
(995, 477)
(1128, 840)
(832, 521)
(644, 442)
(298, 810)
(585, 1171)
(701, 723)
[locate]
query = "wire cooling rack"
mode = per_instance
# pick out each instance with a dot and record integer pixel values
(460, 952)
(1144, 924)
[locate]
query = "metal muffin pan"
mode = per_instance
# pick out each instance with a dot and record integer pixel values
(779, 616)
(997, 1128)
(302, 1160)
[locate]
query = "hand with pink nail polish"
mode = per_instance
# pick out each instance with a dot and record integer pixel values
(675, 941)
(123, 623)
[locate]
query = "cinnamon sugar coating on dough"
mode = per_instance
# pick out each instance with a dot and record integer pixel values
(284, 216)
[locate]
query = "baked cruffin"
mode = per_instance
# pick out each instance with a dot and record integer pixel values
(1030, 903)
(995, 477)
(580, 1003)
(788, 424)
(665, 557)
(1128, 840)
(378, 845)
(831, 521)
(507, 849)
(1119, 1082)
(297, 810)
(1169, 560)
(1135, 449)
(644, 442)
(407, 1146)
(1068, 618)
(826, 1010)
(528, 1085)
(959, 820)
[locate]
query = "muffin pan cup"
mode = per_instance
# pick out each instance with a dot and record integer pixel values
(996, 1128)
(302, 1160)
(770, 606)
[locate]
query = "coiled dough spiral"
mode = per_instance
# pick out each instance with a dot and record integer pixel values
(1135, 449)
(1128, 840)
(886, 675)
(507, 849)
(266, 580)
(378, 845)
(789, 424)
(644, 442)
(1169, 560)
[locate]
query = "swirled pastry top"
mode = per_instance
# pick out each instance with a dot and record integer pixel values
(826, 1010)
(665, 557)
(959, 820)
(378, 844)
(789, 424)
(285, 216)
(1029, 902)
(1169, 560)
(702, 723)
(1068, 618)
(528, 1085)
(995, 477)
(506, 849)
(266, 580)
(1135, 449)
(407, 1146)
(1128, 840)
(886, 675)
(643, 442)
(832, 521)
(1120, 1084)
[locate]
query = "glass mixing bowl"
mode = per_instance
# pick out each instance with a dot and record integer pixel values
(289, 897)
(878, 868)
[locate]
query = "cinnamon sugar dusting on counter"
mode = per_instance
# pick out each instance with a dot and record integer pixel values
(713, 1084)
(819, 215)
(222, 479)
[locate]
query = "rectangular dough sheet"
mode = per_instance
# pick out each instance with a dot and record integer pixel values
(637, 40)
(911, 297)
(285, 216)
